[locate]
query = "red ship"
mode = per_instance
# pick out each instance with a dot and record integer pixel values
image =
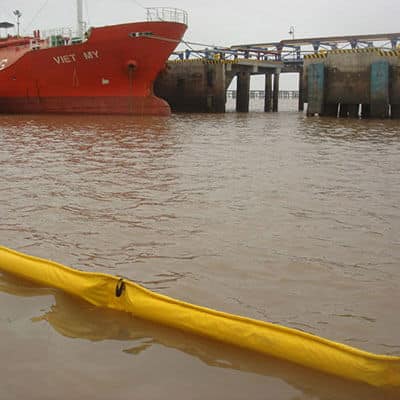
(105, 70)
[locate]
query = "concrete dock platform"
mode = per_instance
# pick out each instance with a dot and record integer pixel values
(356, 83)
(199, 85)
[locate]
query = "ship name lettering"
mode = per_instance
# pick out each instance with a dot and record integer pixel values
(66, 59)
(90, 55)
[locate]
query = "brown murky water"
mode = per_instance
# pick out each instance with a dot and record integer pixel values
(276, 217)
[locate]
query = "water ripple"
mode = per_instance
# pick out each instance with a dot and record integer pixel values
(278, 217)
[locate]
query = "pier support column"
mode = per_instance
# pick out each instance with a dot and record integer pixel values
(315, 88)
(380, 89)
(275, 99)
(216, 91)
(243, 92)
(268, 93)
(301, 91)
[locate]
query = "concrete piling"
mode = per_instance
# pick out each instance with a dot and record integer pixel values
(301, 91)
(268, 93)
(243, 95)
(315, 88)
(275, 96)
(379, 89)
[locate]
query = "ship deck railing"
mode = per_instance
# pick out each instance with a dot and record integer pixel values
(61, 37)
(167, 14)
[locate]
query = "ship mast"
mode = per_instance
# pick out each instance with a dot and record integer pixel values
(79, 9)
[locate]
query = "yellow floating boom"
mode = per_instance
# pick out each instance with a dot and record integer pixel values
(302, 348)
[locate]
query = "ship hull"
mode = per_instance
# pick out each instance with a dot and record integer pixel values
(111, 73)
(118, 105)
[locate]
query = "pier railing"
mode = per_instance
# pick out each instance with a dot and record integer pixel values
(260, 94)
(167, 14)
(293, 52)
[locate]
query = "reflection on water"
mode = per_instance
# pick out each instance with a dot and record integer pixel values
(278, 217)
(74, 318)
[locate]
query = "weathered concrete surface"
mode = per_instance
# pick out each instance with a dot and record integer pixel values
(316, 88)
(193, 86)
(331, 110)
(243, 92)
(200, 85)
(348, 78)
(349, 81)
(275, 94)
(343, 110)
(301, 90)
(379, 89)
(353, 110)
(394, 87)
(268, 93)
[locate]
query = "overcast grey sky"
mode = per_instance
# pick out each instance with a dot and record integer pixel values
(225, 22)
(222, 23)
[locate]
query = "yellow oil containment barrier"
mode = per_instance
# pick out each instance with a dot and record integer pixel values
(117, 293)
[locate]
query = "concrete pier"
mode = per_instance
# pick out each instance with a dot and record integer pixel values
(199, 85)
(194, 87)
(339, 82)
(345, 76)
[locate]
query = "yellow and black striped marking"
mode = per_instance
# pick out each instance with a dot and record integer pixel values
(368, 50)
(315, 56)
